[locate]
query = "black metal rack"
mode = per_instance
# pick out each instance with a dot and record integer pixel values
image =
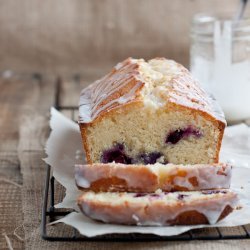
(50, 213)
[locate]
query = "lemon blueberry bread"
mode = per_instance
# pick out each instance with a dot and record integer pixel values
(147, 112)
(117, 177)
(159, 209)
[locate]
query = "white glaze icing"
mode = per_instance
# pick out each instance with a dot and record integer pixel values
(124, 208)
(207, 176)
(159, 81)
(129, 173)
(93, 99)
(80, 179)
(153, 177)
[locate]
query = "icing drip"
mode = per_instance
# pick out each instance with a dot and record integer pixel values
(80, 179)
(188, 92)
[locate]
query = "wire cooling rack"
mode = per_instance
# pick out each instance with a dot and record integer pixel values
(50, 214)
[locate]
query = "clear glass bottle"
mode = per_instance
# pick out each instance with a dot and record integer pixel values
(220, 60)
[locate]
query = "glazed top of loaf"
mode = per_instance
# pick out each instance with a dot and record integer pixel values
(155, 83)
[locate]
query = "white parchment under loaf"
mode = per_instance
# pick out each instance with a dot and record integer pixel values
(64, 144)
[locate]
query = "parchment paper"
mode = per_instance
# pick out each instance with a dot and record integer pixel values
(64, 149)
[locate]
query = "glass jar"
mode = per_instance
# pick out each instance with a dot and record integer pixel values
(220, 60)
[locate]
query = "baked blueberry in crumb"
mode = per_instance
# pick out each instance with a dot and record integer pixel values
(175, 136)
(116, 154)
(150, 158)
(154, 195)
(140, 195)
(181, 196)
(214, 192)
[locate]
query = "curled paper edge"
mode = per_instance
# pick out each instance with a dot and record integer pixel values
(63, 143)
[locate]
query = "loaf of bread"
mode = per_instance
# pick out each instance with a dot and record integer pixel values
(117, 177)
(158, 209)
(147, 112)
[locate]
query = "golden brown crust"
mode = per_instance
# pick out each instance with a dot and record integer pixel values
(222, 129)
(107, 184)
(112, 184)
(195, 218)
(192, 217)
(83, 129)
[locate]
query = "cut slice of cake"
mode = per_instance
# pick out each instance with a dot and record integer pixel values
(117, 177)
(147, 112)
(159, 209)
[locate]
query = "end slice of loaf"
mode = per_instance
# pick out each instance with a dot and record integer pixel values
(116, 177)
(147, 112)
(159, 209)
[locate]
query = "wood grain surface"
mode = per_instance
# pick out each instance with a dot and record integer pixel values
(25, 102)
(69, 36)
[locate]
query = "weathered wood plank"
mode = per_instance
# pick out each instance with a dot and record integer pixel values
(13, 92)
(20, 96)
(33, 133)
(10, 200)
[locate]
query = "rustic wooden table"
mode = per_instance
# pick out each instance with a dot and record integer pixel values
(25, 101)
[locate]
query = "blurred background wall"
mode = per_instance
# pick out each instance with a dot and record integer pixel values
(69, 36)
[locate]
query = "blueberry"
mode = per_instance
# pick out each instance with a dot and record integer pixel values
(116, 154)
(175, 136)
(155, 195)
(181, 196)
(214, 192)
(140, 195)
